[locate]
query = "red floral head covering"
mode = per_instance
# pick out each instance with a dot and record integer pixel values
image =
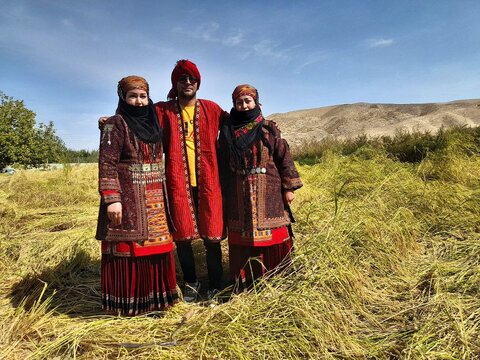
(245, 89)
(183, 67)
(130, 83)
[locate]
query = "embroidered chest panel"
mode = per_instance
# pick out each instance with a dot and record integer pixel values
(257, 200)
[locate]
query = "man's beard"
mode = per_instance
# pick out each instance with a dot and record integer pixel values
(183, 96)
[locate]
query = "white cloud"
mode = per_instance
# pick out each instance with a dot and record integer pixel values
(272, 49)
(67, 22)
(310, 60)
(374, 43)
(209, 32)
(233, 40)
(59, 47)
(213, 32)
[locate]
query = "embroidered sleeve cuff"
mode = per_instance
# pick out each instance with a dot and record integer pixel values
(110, 197)
(291, 184)
(108, 184)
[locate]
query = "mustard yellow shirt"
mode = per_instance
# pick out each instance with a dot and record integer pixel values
(188, 113)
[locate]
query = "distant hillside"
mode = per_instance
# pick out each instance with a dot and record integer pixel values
(350, 120)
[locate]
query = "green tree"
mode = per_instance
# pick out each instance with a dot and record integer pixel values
(82, 156)
(21, 141)
(49, 147)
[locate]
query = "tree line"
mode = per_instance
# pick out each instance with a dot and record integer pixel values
(24, 142)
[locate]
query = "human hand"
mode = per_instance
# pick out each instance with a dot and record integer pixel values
(288, 197)
(101, 121)
(114, 213)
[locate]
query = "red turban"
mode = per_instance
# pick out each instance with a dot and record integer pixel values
(183, 67)
(245, 89)
(130, 83)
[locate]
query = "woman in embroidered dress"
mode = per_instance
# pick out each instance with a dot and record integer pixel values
(138, 266)
(259, 181)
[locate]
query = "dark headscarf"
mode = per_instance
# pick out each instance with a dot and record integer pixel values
(245, 127)
(182, 67)
(141, 120)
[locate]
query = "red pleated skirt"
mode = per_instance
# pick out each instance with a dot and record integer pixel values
(134, 285)
(248, 263)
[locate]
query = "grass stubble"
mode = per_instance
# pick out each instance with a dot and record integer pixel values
(386, 266)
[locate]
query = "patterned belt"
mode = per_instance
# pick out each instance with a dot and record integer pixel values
(147, 167)
(252, 171)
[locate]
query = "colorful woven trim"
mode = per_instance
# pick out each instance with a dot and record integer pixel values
(245, 129)
(196, 120)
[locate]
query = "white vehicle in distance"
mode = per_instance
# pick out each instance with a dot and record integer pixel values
(8, 170)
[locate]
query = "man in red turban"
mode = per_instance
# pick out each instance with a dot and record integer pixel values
(182, 68)
(191, 127)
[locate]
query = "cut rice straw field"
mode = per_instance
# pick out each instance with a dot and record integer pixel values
(386, 266)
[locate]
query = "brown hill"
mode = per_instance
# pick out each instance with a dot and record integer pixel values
(350, 120)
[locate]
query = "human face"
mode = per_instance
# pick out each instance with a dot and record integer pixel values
(136, 97)
(244, 103)
(187, 87)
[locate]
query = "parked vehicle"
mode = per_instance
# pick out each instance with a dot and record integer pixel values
(8, 170)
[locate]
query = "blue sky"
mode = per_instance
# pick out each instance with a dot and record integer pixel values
(64, 58)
